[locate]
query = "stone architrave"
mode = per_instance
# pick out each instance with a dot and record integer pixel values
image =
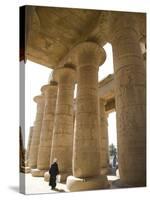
(36, 131)
(50, 94)
(130, 95)
(86, 146)
(104, 146)
(62, 140)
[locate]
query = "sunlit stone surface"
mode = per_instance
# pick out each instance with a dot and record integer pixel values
(70, 41)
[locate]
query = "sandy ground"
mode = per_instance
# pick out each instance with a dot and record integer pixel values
(37, 185)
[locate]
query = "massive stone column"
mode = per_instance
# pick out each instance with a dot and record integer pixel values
(130, 99)
(104, 149)
(63, 125)
(86, 146)
(36, 132)
(50, 94)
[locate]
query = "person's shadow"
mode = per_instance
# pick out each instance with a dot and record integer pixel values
(59, 190)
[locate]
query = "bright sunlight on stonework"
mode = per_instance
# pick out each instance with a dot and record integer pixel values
(74, 130)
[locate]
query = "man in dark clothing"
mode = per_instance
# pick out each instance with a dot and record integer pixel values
(53, 171)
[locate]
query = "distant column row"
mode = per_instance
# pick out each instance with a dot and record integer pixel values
(76, 146)
(81, 147)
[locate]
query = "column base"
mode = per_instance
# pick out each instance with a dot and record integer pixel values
(38, 172)
(63, 176)
(80, 184)
(119, 184)
(25, 169)
(46, 176)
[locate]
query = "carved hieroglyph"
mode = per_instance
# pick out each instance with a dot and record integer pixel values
(86, 146)
(36, 131)
(130, 91)
(62, 140)
(50, 94)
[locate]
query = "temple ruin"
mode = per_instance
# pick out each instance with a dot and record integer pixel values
(70, 41)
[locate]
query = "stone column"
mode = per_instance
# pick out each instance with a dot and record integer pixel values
(36, 132)
(130, 81)
(50, 94)
(104, 146)
(86, 147)
(63, 125)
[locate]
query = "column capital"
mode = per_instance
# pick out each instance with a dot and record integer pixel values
(67, 72)
(49, 89)
(121, 23)
(88, 53)
(39, 99)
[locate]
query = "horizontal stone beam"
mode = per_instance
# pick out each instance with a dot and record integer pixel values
(106, 88)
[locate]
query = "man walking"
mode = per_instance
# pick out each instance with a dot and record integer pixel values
(53, 171)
